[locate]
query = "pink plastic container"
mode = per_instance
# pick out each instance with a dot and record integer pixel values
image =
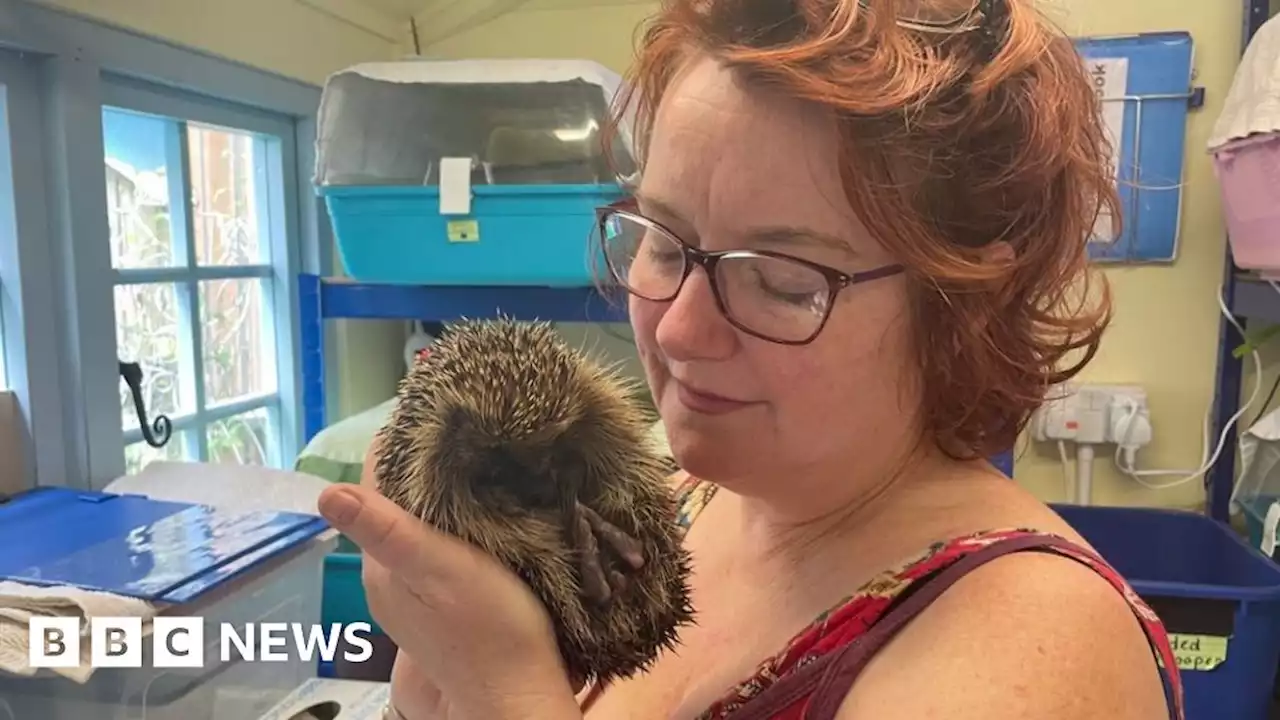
(1249, 180)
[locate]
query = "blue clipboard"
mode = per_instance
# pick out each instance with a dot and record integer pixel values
(130, 545)
(1152, 72)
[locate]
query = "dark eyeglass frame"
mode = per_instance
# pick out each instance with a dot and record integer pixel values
(692, 257)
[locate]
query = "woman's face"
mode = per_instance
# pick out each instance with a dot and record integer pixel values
(729, 166)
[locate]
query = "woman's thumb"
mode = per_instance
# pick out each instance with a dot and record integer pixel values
(395, 539)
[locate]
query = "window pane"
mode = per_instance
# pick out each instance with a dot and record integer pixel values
(225, 188)
(238, 340)
(139, 165)
(151, 329)
(243, 439)
(139, 455)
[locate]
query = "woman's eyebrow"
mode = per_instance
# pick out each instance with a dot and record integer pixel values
(649, 203)
(787, 236)
(794, 236)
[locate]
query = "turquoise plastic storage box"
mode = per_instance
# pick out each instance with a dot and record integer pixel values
(1206, 585)
(344, 600)
(539, 235)
(516, 145)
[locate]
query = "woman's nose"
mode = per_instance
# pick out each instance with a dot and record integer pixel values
(693, 328)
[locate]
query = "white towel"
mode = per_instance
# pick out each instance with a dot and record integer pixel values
(19, 603)
(1252, 105)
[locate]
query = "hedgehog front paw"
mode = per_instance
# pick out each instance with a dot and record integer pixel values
(606, 555)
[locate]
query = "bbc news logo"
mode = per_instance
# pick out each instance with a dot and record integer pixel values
(178, 642)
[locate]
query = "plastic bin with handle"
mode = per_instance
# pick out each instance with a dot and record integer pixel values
(469, 172)
(1218, 597)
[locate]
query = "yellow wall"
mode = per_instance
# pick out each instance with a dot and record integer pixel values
(292, 39)
(1166, 325)
(283, 36)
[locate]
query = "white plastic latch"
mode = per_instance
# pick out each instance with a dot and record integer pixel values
(455, 186)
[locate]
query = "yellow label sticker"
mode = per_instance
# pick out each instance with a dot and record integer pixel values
(463, 231)
(1198, 652)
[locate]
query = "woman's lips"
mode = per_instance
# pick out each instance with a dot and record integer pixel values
(707, 403)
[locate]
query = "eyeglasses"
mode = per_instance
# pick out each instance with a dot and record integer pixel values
(769, 295)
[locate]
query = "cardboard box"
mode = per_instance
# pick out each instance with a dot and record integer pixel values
(13, 465)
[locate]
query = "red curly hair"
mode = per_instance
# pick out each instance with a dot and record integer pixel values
(950, 142)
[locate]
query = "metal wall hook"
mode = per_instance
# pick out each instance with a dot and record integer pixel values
(156, 434)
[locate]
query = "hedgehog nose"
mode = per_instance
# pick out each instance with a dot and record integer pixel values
(528, 490)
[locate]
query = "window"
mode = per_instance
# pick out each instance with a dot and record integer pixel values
(190, 210)
(153, 211)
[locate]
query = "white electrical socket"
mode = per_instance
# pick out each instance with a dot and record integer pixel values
(1087, 413)
(1129, 402)
(1092, 403)
(1056, 418)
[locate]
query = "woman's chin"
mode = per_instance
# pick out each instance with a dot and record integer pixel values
(704, 457)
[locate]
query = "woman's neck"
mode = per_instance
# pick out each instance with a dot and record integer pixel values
(793, 515)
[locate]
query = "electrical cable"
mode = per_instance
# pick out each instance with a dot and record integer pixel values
(1068, 479)
(1207, 460)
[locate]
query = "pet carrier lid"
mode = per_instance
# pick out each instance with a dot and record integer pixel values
(1252, 105)
(495, 122)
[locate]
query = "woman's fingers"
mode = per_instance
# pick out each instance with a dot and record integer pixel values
(399, 542)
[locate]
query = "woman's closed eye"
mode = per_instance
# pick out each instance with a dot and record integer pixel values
(662, 252)
(797, 286)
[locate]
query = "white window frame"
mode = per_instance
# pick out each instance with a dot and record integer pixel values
(275, 153)
(31, 346)
(76, 66)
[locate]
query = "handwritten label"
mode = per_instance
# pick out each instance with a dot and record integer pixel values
(461, 231)
(1110, 80)
(1198, 652)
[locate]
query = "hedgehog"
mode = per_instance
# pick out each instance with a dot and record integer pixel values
(507, 437)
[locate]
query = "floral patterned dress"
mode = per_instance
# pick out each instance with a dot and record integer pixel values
(854, 616)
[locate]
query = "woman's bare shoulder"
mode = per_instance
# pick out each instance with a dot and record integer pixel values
(1030, 635)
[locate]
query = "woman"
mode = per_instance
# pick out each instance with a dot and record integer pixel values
(907, 199)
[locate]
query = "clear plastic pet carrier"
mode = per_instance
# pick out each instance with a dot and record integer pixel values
(469, 172)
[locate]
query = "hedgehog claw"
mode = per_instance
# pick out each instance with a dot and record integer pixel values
(595, 586)
(627, 547)
(601, 579)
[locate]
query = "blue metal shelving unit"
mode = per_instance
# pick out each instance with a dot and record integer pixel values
(324, 299)
(1248, 299)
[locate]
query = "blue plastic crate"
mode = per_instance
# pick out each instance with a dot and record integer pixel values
(110, 542)
(539, 235)
(1208, 586)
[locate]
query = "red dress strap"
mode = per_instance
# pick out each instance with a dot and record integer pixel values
(826, 681)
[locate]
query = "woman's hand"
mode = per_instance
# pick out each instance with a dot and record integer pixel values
(475, 643)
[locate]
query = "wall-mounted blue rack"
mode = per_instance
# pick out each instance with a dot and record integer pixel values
(1144, 82)
(323, 299)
